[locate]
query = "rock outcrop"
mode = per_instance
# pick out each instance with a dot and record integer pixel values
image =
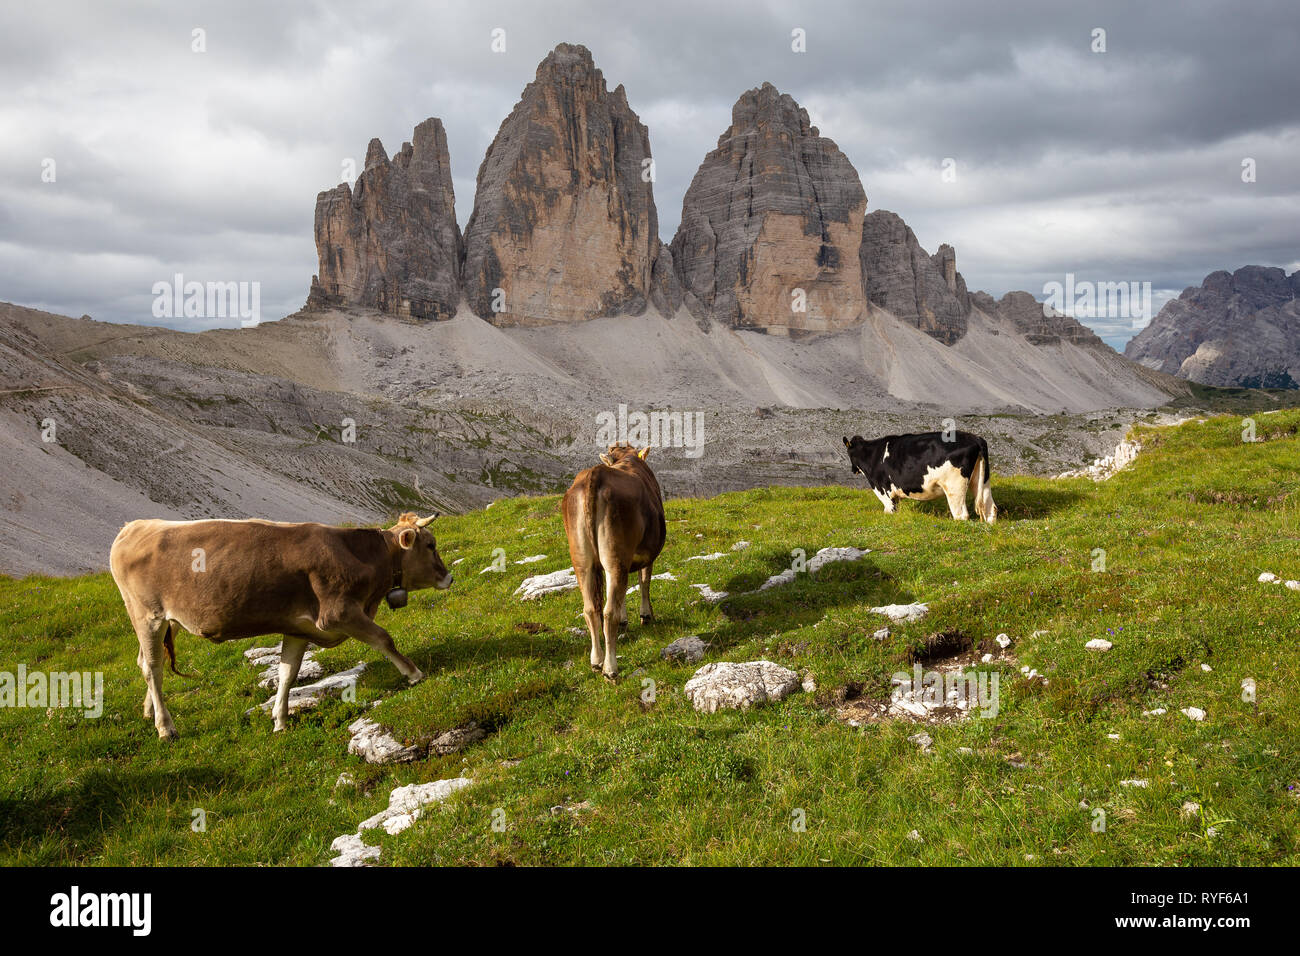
(392, 243)
(564, 221)
(1039, 325)
(771, 224)
(898, 275)
(1239, 329)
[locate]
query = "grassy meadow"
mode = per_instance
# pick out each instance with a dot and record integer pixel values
(576, 770)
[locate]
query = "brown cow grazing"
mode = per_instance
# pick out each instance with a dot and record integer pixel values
(227, 580)
(614, 519)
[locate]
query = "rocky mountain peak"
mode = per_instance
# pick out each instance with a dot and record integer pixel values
(564, 225)
(771, 224)
(901, 277)
(392, 243)
(1236, 329)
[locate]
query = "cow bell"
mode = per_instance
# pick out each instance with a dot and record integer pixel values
(396, 598)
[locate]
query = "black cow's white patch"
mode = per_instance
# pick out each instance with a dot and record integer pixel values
(924, 466)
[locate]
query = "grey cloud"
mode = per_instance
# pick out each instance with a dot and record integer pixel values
(1114, 166)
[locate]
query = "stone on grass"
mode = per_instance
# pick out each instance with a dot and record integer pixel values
(922, 740)
(308, 670)
(1003, 641)
(1193, 713)
(1154, 713)
(739, 685)
(531, 559)
(902, 612)
(706, 557)
(307, 696)
(404, 807)
(1293, 585)
(819, 560)
(374, 744)
(457, 739)
(881, 635)
(1268, 577)
(540, 584)
(710, 595)
(689, 649)
(1099, 644)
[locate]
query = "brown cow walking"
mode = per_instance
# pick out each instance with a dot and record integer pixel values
(614, 520)
(227, 580)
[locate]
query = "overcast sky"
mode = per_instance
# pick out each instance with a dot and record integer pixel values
(1123, 165)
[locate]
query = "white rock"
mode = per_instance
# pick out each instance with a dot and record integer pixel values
(308, 670)
(531, 559)
(1154, 713)
(1003, 641)
(903, 612)
(710, 595)
(307, 696)
(374, 744)
(1140, 783)
(254, 653)
(1099, 644)
(1293, 585)
(1193, 713)
(352, 851)
(689, 649)
(706, 557)
(1113, 736)
(922, 740)
(915, 837)
(739, 685)
(809, 686)
(1206, 668)
(408, 800)
(541, 584)
(1268, 577)
(666, 576)
(819, 560)
(986, 658)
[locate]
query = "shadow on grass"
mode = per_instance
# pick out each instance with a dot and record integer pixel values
(85, 814)
(803, 601)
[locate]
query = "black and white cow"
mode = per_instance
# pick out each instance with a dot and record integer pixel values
(924, 466)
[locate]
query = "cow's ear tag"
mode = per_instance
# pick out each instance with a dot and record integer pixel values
(396, 598)
(643, 452)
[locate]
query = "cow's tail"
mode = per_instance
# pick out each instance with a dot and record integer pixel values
(590, 495)
(984, 506)
(171, 652)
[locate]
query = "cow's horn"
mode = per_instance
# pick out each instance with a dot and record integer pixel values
(424, 521)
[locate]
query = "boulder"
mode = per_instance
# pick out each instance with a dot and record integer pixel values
(739, 686)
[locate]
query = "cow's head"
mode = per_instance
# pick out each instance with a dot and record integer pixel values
(422, 566)
(621, 451)
(857, 452)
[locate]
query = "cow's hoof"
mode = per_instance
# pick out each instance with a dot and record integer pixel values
(415, 678)
(612, 678)
(647, 618)
(168, 733)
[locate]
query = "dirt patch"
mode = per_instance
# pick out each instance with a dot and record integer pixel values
(948, 680)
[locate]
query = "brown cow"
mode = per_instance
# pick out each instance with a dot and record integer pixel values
(227, 580)
(614, 520)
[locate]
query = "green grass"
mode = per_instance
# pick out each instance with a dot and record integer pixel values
(1185, 531)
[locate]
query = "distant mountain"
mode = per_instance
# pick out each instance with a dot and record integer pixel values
(1237, 329)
